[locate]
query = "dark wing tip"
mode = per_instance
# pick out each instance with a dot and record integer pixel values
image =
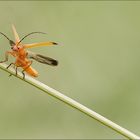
(54, 62)
(54, 43)
(11, 42)
(46, 60)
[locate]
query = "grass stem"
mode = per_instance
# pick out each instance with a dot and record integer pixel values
(73, 103)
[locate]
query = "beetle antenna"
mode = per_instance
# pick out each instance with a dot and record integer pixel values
(10, 41)
(29, 35)
(4, 35)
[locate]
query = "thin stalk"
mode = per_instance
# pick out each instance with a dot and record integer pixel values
(72, 103)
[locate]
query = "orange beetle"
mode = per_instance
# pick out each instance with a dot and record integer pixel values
(23, 56)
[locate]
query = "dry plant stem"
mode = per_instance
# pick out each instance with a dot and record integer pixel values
(72, 103)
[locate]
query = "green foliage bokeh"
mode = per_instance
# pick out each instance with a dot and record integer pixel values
(98, 53)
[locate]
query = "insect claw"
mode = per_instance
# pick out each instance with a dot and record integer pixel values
(23, 75)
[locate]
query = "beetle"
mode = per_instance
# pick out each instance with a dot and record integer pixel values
(23, 57)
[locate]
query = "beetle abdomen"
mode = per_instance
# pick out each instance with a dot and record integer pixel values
(31, 71)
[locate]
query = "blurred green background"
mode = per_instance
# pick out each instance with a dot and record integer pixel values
(99, 66)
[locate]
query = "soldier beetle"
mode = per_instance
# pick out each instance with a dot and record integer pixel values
(18, 50)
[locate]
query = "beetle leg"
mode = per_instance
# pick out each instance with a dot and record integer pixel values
(30, 63)
(23, 74)
(6, 58)
(16, 67)
(10, 65)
